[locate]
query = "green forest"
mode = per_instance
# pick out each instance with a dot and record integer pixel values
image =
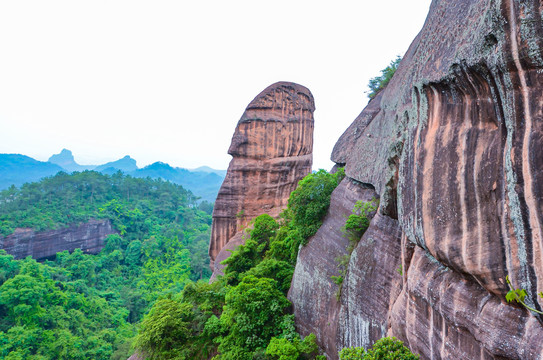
(81, 306)
(245, 314)
(148, 289)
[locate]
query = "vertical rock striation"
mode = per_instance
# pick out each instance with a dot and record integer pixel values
(453, 147)
(272, 149)
(313, 291)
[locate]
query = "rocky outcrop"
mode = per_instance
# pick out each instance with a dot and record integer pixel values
(232, 244)
(452, 146)
(317, 311)
(272, 149)
(88, 237)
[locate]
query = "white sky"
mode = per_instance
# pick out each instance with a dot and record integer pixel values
(168, 80)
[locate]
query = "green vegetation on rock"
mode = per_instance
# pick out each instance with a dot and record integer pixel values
(519, 295)
(356, 225)
(245, 314)
(378, 83)
(309, 203)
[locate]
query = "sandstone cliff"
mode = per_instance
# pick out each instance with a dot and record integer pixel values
(88, 237)
(272, 149)
(453, 148)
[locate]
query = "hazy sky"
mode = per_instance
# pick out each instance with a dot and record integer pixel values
(168, 80)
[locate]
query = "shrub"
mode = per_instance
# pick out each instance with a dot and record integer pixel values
(358, 222)
(280, 271)
(284, 349)
(309, 203)
(388, 348)
(254, 313)
(354, 353)
(356, 225)
(166, 329)
(378, 83)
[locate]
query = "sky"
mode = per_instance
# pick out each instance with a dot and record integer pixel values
(168, 80)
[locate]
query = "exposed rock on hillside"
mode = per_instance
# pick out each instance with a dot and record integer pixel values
(272, 150)
(88, 237)
(313, 290)
(452, 146)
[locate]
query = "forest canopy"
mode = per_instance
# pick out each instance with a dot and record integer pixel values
(245, 314)
(81, 306)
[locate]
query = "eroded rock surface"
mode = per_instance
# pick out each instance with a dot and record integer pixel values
(313, 290)
(374, 272)
(453, 147)
(88, 237)
(272, 149)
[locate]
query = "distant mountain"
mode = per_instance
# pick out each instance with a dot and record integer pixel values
(65, 159)
(207, 169)
(203, 184)
(16, 169)
(126, 164)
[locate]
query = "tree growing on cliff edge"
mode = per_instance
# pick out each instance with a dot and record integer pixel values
(378, 83)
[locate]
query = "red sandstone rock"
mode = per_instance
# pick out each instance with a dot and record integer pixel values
(455, 142)
(231, 245)
(88, 237)
(272, 150)
(313, 292)
(441, 314)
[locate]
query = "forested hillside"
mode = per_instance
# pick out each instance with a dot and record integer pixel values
(82, 306)
(245, 314)
(18, 169)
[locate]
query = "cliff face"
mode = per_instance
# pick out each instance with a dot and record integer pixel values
(89, 237)
(453, 148)
(272, 149)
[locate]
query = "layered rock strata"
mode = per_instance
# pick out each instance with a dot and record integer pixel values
(272, 149)
(453, 148)
(88, 237)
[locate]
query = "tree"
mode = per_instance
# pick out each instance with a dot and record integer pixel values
(378, 83)
(284, 349)
(280, 271)
(254, 313)
(309, 203)
(168, 269)
(165, 330)
(252, 252)
(388, 348)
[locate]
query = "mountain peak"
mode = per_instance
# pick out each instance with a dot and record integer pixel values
(65, 156)
(65, 159)
(125, 164)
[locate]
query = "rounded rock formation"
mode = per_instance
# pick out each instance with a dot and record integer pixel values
(272, 149)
